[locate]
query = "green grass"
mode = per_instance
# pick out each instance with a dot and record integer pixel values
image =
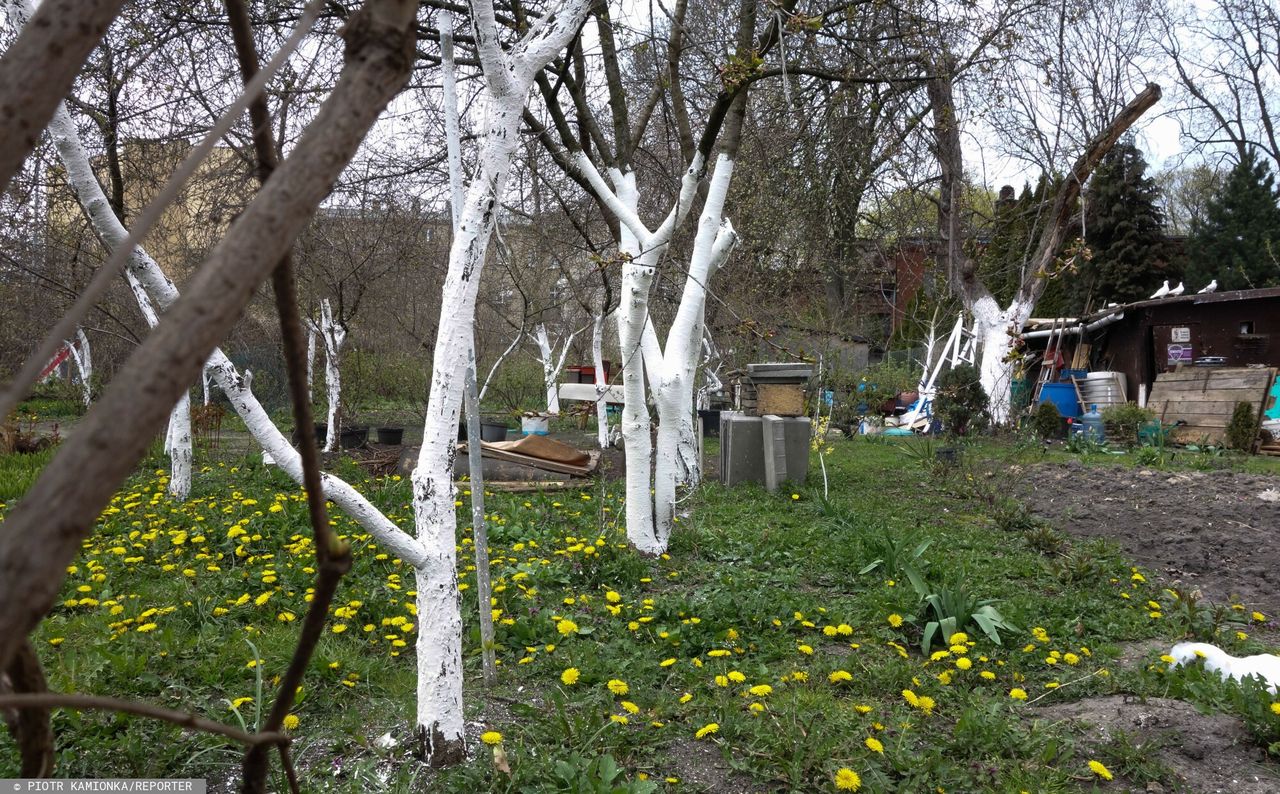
(758, 589)
(18, 472)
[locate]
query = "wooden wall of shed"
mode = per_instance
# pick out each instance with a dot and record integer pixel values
(1127, 346)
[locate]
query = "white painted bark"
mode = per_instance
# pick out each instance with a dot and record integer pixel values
(508, 77)
(311, 359)
(995, 329)
(501, 358)
(332, 334)
(551, 364)
(177, 438)
(643, 249)
(604, 433)
(82, 357)
(164, 293)
(677, 460)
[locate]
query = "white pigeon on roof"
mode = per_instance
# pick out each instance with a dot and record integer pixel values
(1160, 293)
(1212, 287)
(1178, 290)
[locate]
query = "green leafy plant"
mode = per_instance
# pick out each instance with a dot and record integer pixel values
(578, 775)
(1047, 420)
(1242, 430)
(1124, 420)
(961, 402)
(947, 610)
(892, 555)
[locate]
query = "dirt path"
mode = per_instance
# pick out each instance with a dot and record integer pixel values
(1216, 531)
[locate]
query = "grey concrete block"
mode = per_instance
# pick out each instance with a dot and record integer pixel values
(741, 448)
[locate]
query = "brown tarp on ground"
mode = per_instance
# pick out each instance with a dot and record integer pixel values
(542, 453)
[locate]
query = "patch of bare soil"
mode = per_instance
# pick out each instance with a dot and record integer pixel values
(701, 768)
(1206, 754)
(1215, 531)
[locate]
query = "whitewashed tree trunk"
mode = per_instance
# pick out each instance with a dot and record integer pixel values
(643, 250)
(82, 357)
(551, 364)
(508, 77)
(604, 434)
(177, 438)
(311, 357)
(156, 286)
(493, 370)
(332, 334)
(677, 461)
(996, 329)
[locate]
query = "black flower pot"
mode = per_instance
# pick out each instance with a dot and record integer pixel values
(353, 437)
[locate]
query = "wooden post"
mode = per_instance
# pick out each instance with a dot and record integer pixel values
(479, 532)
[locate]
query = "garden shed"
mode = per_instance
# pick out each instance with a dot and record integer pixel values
(1144, 339)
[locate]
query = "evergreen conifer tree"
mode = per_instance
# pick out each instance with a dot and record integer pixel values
(1238, 242)
(1124, 229)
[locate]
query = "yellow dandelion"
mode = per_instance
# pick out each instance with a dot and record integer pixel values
(1097, 768)
(491, 738)
(847, 780)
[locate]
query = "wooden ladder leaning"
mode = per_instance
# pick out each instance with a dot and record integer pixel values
(1052, 344)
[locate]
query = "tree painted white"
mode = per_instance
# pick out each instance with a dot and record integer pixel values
(493, 370)
(160, 289)
(177, 438)
(551, 364)
(82, 357)
(604, 433)
(332, 335)
(508, 76)
(671, 371)
(311, 358)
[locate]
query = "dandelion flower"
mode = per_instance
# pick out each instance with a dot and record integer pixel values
(618, 687)
(667, 662)
(1097, 768)
(706, 730)
(963, 663)
(621, 719)
(570, 676)
(895, 620)
(805, 649)
(686, 697)
(1275, 709)
(491, 738)
(1017, 693)
(761, 690)
(847, 780)
(839, 676)
(291, 722)
(736, 677)
(873, 744)
(566, 627)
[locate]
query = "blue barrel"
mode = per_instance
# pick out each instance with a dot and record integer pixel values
(1063, 395)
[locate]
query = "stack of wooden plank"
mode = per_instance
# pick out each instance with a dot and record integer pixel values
(1205, 397)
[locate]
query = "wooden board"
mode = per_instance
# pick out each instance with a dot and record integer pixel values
(1205, 398)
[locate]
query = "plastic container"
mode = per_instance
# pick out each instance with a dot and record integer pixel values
(1093, 428)
(1062, 395)
(537, 425)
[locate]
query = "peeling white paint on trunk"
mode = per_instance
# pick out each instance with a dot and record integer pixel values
(995, 329)
(508, 77)
(604, 433)
(332, 334)
(82, 357)
(551, 365)
(153, 284)
(177, 438)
